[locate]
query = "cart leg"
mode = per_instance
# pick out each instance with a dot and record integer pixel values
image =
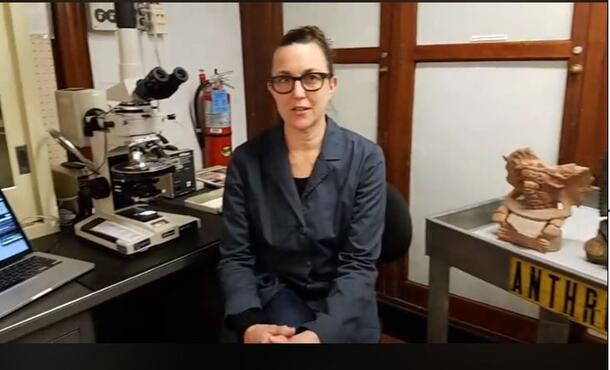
(553, 327)
(438, 301)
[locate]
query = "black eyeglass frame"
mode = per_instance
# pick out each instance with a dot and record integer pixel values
(295, 79)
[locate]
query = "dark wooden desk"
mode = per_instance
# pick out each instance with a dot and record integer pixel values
(65, 314)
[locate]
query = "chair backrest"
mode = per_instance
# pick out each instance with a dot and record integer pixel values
(398, 230)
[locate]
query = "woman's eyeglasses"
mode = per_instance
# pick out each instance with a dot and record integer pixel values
(312, 81)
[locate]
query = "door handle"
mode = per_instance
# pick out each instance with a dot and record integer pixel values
(576, 68)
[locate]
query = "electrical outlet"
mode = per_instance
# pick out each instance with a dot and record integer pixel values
(158, 19)
(142, 22)
(101, 17)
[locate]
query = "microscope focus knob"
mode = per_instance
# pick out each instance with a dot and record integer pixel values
(99, 188)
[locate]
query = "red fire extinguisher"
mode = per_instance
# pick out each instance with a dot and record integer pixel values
(213, 111)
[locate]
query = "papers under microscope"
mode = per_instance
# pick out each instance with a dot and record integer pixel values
(212, 176)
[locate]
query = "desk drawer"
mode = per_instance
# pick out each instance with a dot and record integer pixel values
(74, 329)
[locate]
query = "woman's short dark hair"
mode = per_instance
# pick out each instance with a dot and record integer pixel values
(305, 35)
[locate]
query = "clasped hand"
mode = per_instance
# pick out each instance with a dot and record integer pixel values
(266, 333)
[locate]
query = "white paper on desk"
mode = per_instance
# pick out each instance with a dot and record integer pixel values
(118, 231)
(577, 229)
(214, 203)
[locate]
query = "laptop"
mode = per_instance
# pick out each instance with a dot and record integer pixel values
(26, 275)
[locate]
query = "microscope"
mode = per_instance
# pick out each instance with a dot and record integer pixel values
(129, 153)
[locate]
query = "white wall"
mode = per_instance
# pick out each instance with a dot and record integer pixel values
(200, 36)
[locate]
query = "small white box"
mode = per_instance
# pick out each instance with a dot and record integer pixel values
(158, 20)
(210, 201)
(72, 104)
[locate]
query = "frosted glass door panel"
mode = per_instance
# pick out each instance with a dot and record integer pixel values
(454, 23)
(354, 105)
(348, 25)
(465, 117)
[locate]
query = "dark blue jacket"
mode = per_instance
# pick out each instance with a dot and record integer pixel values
(324, 244)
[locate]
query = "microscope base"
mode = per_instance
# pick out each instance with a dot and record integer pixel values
(128, 235)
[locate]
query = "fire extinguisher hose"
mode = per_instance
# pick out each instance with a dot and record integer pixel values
(198, 114)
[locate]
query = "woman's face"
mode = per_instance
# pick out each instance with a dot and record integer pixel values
(299, 108)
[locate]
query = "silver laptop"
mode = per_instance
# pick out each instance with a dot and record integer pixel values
(26, 275)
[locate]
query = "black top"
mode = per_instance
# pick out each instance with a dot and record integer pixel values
(301, 183)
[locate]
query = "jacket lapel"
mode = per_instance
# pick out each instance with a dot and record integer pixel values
(277, 167)
(332, 149)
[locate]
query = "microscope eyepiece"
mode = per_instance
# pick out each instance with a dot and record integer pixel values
(179, 75)
(159, 85)
(158, 75)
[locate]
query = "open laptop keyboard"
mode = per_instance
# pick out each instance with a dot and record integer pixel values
(23, 270)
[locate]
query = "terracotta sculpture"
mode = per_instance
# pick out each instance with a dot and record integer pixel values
(534, 211)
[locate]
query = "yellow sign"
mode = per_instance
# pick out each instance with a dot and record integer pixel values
(581, 302)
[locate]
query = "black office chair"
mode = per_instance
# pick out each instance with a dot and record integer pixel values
(397, 233)
(398, 229)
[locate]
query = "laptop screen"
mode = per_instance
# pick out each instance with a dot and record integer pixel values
(12, 240)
